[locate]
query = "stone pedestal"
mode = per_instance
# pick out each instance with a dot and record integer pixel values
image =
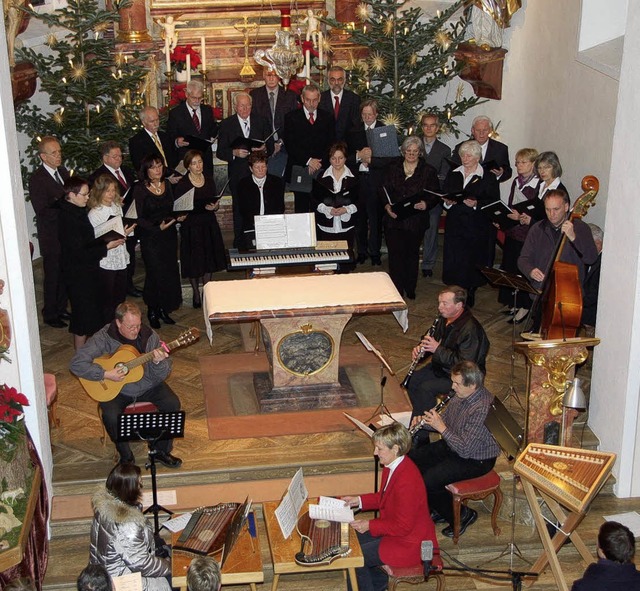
(550, 365)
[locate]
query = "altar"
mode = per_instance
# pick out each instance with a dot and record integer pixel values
(302, 320)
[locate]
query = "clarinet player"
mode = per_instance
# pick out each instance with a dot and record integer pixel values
(457, 337)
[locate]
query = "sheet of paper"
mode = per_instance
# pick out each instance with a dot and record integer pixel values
(132, 582)
(331, 502)
(286, 515)
(270, 231)
(359, 424)
(339, 514)
(630, 519)
(132, 212)
(298, 490)
(301, 230)
(113, 224)
(400, 417)
(165, 498)
(177, 523)
(184, 202)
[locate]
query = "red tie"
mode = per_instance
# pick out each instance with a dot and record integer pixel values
(196, 121)
(336, 107)
(311, 118)
(121, 179)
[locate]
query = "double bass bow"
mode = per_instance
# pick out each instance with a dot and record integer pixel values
(561, 296)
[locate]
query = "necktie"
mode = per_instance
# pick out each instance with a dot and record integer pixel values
(336, 107)
(246, 128)
(121, 179)
(196, 121)
(58, 178)
(156, 141)
(272, 104)
(312, 119)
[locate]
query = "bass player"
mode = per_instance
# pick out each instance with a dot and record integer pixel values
(127, 329)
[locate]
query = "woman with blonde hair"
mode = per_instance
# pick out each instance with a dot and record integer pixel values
(104, 203)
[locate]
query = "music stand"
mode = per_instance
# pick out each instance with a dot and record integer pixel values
(152, 427)
(517, 283)
(381, 409)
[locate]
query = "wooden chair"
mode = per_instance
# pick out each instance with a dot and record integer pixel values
(415, 574)
(476, 489)
(51, 392)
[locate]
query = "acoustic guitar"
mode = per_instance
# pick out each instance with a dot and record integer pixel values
(128, 358)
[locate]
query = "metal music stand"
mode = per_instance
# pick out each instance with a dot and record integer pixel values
(381, 409)
(152, 427)
(510, 437)
(517, 283)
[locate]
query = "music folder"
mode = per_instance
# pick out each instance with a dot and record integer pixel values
(111, 229)
(198, 143)
(383, 141)
(183, 204)
(497, 212)
(301, 180)
(458, 196)
(405, 208)
(532, 207)
(490, 165)
(131, 215)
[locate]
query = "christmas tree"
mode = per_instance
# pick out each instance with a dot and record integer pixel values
(410, 57)
(95, 92)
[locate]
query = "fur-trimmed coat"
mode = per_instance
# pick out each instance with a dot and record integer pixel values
(122, 541)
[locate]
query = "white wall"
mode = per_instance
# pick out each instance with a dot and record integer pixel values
(615, 409)
(602, 20)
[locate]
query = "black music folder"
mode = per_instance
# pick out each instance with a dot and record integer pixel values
(497, 212)
(383, 141)
(458, 197)
(405, 208)
(247, 143)
(532, 207)
(301, 180)
(490, 165)
(198, 143)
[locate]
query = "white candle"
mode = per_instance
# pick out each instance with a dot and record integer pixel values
(307, 63)
(203, 55)
(188, 67)
(167, 54)
(320, 50)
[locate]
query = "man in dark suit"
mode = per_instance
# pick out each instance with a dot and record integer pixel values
(111, 154)
(272, 102)
(46, 188)
(436, 153)
(344, 104)
(193, 118)
(150, 140)
(308, 134)
(370, 170)
(242, 125)
(492, 150)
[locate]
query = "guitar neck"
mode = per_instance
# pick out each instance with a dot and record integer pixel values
(149, 356)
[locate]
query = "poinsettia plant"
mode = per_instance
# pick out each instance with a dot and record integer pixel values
(179, 57)
(11, 405)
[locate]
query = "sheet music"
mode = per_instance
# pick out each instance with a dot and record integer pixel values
(184, 202)
(177, 523)
(293, 230)
(403, 418)
(132, 212)
(131, 582)
(332, 510)
(288, 509)
(359, 424)
(113, 224)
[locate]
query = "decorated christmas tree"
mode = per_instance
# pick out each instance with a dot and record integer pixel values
(95, 92)
(410, 57)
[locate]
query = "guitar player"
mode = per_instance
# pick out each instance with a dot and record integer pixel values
(127, 329)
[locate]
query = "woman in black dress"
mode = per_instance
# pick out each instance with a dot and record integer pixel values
(153, 197)
(260, 194)
(407, 177)
(81, 253)
(469, 237)
(201, 246)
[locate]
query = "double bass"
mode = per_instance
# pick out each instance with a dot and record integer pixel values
(562, 292)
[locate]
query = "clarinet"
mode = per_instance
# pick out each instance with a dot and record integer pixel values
(422, 355)
(438, 407)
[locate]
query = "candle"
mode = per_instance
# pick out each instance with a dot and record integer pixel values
(203, 55)
(167, 54)
(320, 49)
(188, 67)
(307, 65)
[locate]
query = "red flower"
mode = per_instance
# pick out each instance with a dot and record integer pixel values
(179, 56)
(297, 84)
(217, 113)
(11, 403)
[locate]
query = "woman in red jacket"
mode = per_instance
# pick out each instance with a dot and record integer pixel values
(394, 538)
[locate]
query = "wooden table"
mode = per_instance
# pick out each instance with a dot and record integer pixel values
(242, 567)
(283, 551)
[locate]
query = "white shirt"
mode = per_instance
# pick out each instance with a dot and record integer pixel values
(245, 126)
(542, 191)
(326, 209)
(479, 171)
(117, 258)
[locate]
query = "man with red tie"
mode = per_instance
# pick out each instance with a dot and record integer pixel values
(192, 118)
(343, 103)
(308, 134)
(111, 154)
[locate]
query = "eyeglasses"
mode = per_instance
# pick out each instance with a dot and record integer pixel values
(132, 326)
(523, 162)
(83, 194)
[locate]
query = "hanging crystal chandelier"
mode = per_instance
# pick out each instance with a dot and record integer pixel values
(285, 58)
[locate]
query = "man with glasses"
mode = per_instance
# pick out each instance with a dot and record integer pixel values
(466, 449)
(150, 140)
(127, 329)
(193, 118)
(343, 103)
(46, 188)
